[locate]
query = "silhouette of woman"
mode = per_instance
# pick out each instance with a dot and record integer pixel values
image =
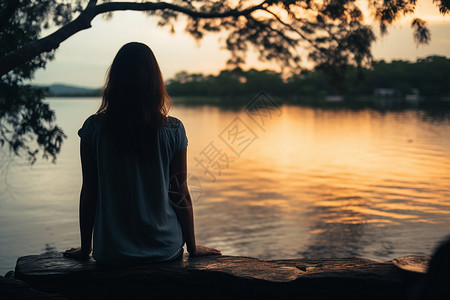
(135, 204)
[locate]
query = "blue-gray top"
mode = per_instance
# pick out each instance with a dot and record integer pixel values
(134, 218)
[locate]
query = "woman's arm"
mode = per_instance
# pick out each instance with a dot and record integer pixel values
(88, 202)
(182, 204)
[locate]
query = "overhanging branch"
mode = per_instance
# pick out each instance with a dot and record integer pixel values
(152, 6)
(83, 21)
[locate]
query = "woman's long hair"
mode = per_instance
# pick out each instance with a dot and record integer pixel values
(135, 102)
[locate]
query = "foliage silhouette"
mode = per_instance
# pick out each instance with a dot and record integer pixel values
(430, 76)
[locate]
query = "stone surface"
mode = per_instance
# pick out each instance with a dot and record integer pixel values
(416, 264)
(221, 277)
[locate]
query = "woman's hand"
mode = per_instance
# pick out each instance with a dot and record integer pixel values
(203, 250)
(77, 253)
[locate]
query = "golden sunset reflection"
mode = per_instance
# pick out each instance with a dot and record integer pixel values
(326, 172)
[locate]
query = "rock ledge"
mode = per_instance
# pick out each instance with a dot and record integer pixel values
(224, 277)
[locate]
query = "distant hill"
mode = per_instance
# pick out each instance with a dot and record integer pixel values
(62, 90)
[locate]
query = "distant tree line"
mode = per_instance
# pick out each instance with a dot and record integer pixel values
(429, 76)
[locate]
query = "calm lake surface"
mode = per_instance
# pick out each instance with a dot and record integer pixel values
(295, 182)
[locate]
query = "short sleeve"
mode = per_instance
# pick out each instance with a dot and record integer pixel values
(85, 131)
(183, 140)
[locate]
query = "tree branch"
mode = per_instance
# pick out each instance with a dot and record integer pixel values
(83, 21)
(152, 6)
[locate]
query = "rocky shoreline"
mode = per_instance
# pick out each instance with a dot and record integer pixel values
(52, 276)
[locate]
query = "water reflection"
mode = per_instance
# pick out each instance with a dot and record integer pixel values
(317, 182)
(336, 183)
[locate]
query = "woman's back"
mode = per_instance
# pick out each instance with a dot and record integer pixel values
(134, 218)
(131, 151)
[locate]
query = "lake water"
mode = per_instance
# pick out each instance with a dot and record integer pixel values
(289, 182)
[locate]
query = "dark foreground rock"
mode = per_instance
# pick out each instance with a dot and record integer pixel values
(11, 288)
(225, 277)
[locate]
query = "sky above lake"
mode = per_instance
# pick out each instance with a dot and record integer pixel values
(83, 59)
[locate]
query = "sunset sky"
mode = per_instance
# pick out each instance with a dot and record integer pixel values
(82, 60)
